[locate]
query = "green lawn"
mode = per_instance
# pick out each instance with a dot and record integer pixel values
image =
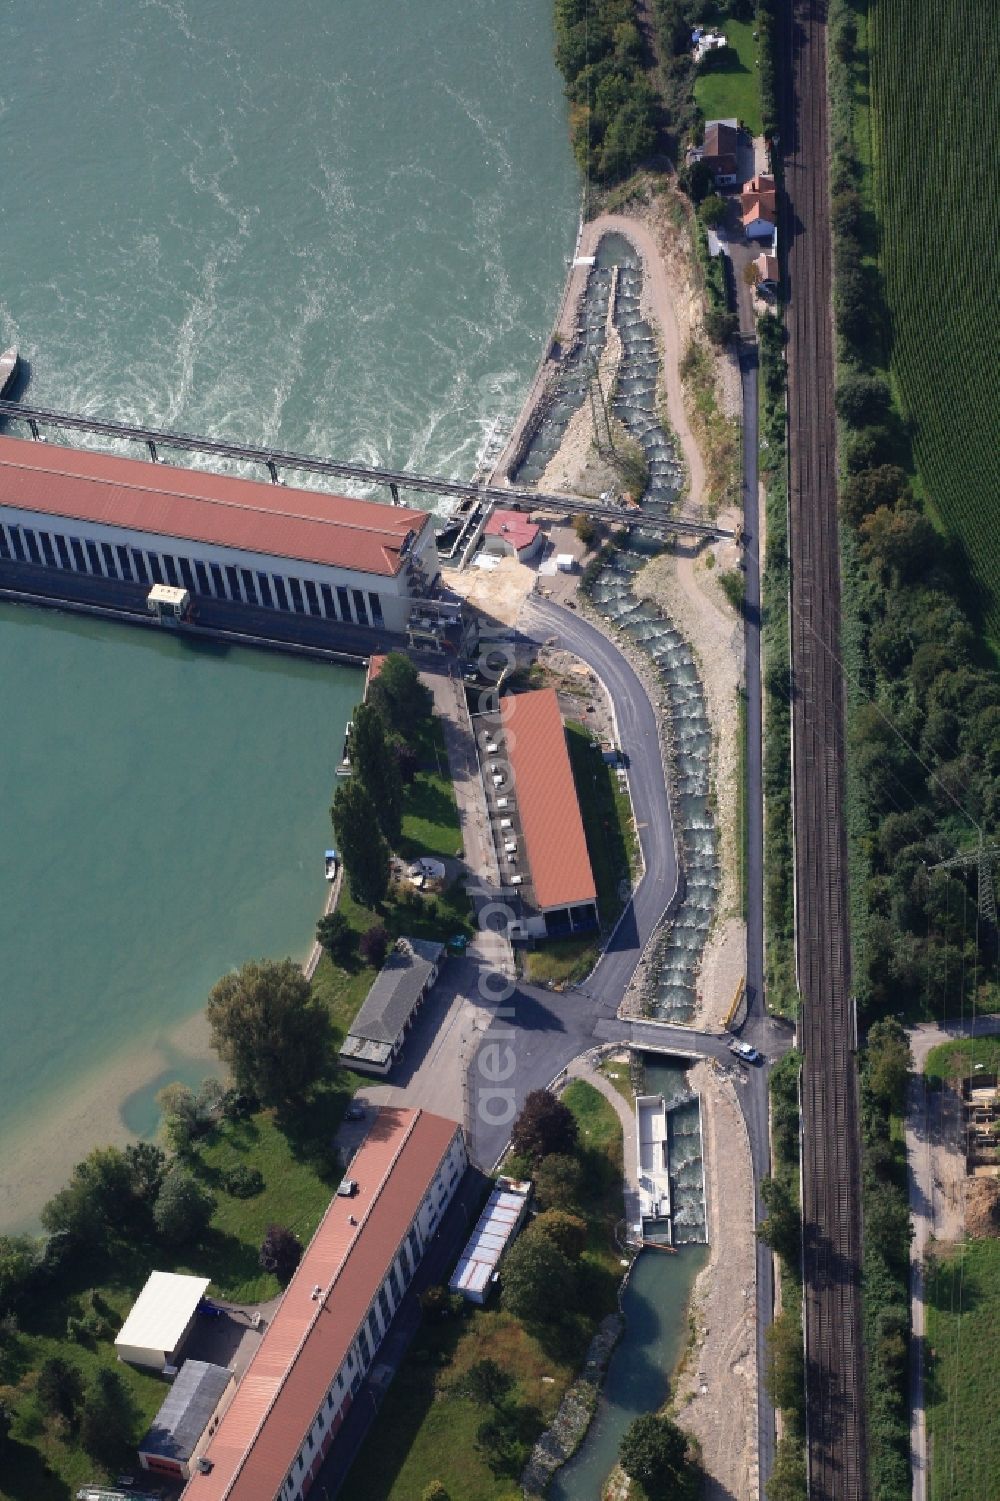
(607, 821)
(561, 961)
(731, 88)
(430, 815)
(425, 1430)
(953, 1060)
(963, 1375)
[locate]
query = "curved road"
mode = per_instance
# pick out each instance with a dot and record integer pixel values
(638, 729)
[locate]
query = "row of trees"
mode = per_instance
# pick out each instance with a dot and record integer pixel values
(367, 808)
(923, 757)
(782, 1230)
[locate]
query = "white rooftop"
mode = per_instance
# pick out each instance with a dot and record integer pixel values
(162, 1311)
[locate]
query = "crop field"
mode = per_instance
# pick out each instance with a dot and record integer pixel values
(934, 87)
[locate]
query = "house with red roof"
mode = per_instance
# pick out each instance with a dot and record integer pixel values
(759, 207)
(513, 535)
(335, 1313)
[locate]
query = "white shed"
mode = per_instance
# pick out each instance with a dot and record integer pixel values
(160, 1319)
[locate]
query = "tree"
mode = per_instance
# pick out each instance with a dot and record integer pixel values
(6, 1419)
(898, 540)
(270, 1028)
(712, 210)
(538, 1280)
(407, 760)
(782, 1228)
(586, 528)
(362, 845)
(486, 1384)
(788, 1478)
(18, 1260)
(568, 1232)
(375, 945)
(653, 1451)
(862, 398)
(376, 768)
(106, 1418)
(183, 1207)
(434, 1492)
(59, 1388)
(544, 1125)
(146, 1166)
(89, 1209)
(865, 491)
(720, 325)
(558, 1181)
(280, 1252)
(888, 1061)
(784, 1371)
(335, 934)
(180, 1120)
(398, 692)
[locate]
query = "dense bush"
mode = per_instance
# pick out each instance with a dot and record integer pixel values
(243, 1182)
(613, 111)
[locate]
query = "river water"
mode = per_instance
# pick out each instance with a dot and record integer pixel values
(338, 228)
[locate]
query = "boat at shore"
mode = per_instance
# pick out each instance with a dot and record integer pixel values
(9, 361)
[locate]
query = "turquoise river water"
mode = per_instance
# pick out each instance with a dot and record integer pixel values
(340, 228)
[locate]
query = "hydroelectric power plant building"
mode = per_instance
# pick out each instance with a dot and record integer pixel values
(93, 528)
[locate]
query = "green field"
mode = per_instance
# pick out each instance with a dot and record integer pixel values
(963, 1334)
(933, 84)
(731, 89)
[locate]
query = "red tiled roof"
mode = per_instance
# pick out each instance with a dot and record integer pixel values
(375, 664)
(306, 1342)
(514, 527)
(759, 200)
(202, 507)
(767, 265)
(546, 801)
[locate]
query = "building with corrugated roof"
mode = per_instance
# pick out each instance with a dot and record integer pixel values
(335, 1313)
(379, 1030)
(188, 1416)
(119, 526)
(538, 832)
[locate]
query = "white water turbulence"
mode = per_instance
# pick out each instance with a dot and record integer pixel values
(332, 228)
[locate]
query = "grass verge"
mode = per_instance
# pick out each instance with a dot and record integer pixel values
(956, 1060)
(963, 1336)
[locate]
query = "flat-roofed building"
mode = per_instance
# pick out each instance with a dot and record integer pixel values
(537, 827)
(334, 1314)
(497, 1226)
(379, 1030)
(160, 1319)
(188, 1416)
(71, 514)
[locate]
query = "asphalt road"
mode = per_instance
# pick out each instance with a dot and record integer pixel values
(758, 1029)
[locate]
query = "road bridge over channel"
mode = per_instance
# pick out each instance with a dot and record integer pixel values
(395, 480)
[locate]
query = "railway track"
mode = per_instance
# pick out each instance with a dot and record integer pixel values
(831, 1166)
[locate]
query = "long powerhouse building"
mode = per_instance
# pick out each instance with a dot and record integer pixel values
(105, 527)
